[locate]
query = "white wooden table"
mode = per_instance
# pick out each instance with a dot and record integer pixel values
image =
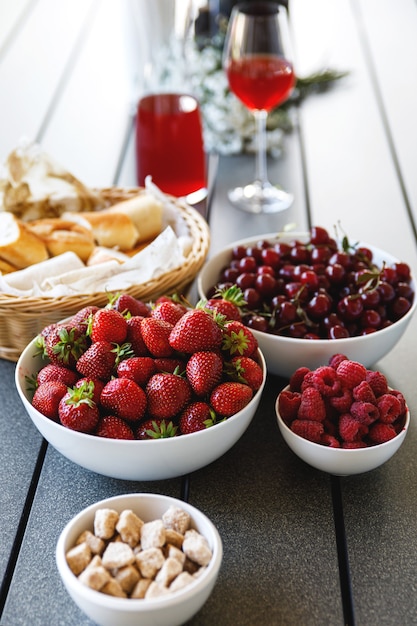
(301, 547)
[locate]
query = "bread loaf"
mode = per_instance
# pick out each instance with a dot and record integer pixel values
(112, 230)
(19, 246)
(146, 213)
(61, 236)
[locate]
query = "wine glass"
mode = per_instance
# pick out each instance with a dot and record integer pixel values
(257, 62)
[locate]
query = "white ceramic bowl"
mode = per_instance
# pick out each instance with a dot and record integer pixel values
(154, 459)
(284, 355)
(339, 461)
(169, 610)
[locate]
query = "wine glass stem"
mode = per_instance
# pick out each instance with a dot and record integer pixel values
(261, 164)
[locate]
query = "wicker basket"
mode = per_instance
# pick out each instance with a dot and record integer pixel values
(21, 319)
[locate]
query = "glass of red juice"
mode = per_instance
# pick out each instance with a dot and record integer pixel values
(170, 146)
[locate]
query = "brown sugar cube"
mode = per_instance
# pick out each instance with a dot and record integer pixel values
(78, 558)
(175, 553)
(169, 570)
(127, 577)
(181, 581)
(190, 566)
(118, 554)
(150, 561)
(196, 548)
(155, 590)
(141, 588)
(95, 544)
(176, 519)
(152, 534)
(129, 526)
(113, 588)
(105, 521)
(173, 537)
(95, 575)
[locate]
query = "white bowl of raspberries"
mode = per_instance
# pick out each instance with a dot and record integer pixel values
(307, 296)
(342, 418)
(139, 391)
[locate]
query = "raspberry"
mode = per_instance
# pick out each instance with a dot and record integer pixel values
(343, 402)
(297, 378)
(350, 429)
(354, 445)
(336, 359)
(312, 406)
(308, 429)
(326, 381)
(288, 405)
(330, 441)
(378, 382)
(307, 381)
(380, 433)
(351, 373)
(365, 412)
(399, 395)
(364, 393)
(389, 408)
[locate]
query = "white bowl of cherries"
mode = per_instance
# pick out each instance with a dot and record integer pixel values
(308, 296)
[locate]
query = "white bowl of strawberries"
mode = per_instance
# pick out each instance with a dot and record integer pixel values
(342, 418)
(142, 392)
(309, 296)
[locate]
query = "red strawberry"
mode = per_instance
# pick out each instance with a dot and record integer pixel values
(114, 427)
(64, 344)
(134, 336)
(124, 398)
(167, 395)
(239, 340)
(78, 411)
(169, 364)
(108, 325)
(128, 305)
(47, 397)
(230, 397)
(156, 429)
(98, 361)
(204, 371)
(244, 369)
(196, 416)
(197, 330)
(56, 372)
(169, 311)
(227, 302)
(82, 318)
(155, 334)
(93, 385)
(137, 368)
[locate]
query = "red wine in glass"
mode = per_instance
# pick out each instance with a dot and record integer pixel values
(261, 81)
(169, 144)
(257, 62)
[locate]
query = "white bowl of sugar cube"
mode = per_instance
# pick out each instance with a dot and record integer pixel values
(139, 559)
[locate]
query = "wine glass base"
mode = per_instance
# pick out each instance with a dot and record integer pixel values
(260, 198)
